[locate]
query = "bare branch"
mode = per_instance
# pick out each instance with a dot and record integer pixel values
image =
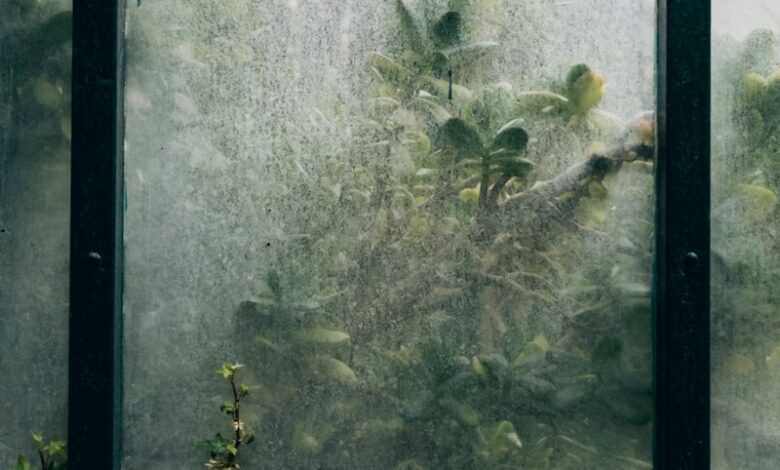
(596, 166)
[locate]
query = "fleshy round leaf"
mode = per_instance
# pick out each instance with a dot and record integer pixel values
(468, 54)
(511, 137)
(448, 30)
(516, 167)
(322, 336)
(461, 137)
(540, 102)
(334, 370)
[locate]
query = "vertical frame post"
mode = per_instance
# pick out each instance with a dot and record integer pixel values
(95, 386)
(682, 273)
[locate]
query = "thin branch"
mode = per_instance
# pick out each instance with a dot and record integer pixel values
(596, 166)
(44, 464)
(236, 418)
(236, 410)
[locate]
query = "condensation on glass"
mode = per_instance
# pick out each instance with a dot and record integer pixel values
(35, 53)
(422, 228)
(746, 252)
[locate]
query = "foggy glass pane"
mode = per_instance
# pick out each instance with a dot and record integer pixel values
(746, 253)
(422, 227)
(35, 55)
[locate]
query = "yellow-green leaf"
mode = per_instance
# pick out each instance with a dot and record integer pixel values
(332, 369)
(539, 102)
(761, 201)
(305, 441)
(322, 336)
(463, 412)
(461, 137)
(47, 94)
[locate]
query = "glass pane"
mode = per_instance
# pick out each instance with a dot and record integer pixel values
(35, 53)
(746, 258)
(413, 274)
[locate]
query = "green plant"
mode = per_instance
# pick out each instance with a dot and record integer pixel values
(746, 181)
(51, 455)
(35, 123)
(305, 374)
(400, 331)
(41, 65)
(223, 451)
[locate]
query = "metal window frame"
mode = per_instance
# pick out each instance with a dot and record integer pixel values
(96, 233)
(681, 282)
(682, 259)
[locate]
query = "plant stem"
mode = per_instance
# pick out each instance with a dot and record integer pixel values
(236, 416)
(495, 191)
(483, 185)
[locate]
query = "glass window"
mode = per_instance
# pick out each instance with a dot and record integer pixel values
(389, 234)
(746, 253)
(34, 213)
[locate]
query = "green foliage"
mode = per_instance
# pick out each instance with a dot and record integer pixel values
(461, 138)
(583, 88)
(21, 464)
(41, 75)
(52, 455)
(223, 452)
(746, 181)
(448, 30)
(305, 364)
(55, 31)
(36, 36)
(228, 371)
(404, 331)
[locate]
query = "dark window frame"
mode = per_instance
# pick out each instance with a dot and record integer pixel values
(96, 234)
(681, 326)
(681, 294)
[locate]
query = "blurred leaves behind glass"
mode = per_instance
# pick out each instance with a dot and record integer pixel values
(746, 253)
(409, 327)
(223, 451)
(35, 46)
(52, 455)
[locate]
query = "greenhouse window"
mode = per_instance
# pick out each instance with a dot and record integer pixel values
(389, 234)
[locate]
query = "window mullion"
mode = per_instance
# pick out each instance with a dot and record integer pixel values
(682, 281)
(95, 387)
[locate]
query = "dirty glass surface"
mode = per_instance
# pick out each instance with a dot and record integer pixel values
(746, 253)
(389, 234)
(34, 212)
